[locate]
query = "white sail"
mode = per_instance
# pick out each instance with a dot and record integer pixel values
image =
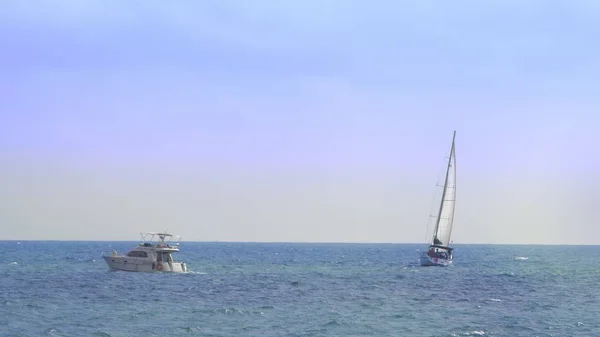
(443, 228)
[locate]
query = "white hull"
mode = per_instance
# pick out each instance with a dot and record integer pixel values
(428, 261)
(125, 263)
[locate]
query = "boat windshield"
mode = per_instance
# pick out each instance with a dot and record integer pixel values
(164, 257)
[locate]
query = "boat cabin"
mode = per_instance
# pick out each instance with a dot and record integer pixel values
(440, 252)
(155, 250)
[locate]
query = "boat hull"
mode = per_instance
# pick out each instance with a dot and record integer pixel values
(128, 264)
(428, 261)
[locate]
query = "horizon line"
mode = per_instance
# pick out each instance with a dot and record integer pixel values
(320, 242)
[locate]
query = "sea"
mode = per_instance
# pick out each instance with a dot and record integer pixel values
(58, 288)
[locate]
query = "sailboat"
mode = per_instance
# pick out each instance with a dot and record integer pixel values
(439, 253)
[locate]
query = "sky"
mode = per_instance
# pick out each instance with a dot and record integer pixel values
(308, 121)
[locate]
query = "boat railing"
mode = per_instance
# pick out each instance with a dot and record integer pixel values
(165, 238)
(158, 245)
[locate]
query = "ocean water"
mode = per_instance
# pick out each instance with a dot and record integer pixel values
(277, 289)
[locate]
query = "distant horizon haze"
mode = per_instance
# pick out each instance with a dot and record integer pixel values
(299, 122)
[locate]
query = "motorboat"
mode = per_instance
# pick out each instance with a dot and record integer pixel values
(153, 254)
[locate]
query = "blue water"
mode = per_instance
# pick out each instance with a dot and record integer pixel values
(252, 289)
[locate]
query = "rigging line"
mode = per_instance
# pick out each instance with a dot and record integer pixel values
(441, 172)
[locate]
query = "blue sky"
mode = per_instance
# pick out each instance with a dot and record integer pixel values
(298, 121)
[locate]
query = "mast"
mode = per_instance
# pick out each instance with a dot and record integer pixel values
(437, 223)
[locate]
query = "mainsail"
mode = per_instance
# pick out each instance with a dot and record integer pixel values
(445, 218)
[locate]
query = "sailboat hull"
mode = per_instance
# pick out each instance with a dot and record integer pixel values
(428, 261)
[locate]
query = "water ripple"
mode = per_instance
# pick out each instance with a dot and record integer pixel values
(63, 289)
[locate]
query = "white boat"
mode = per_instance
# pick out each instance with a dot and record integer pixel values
(439, 253)
(153, 254)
